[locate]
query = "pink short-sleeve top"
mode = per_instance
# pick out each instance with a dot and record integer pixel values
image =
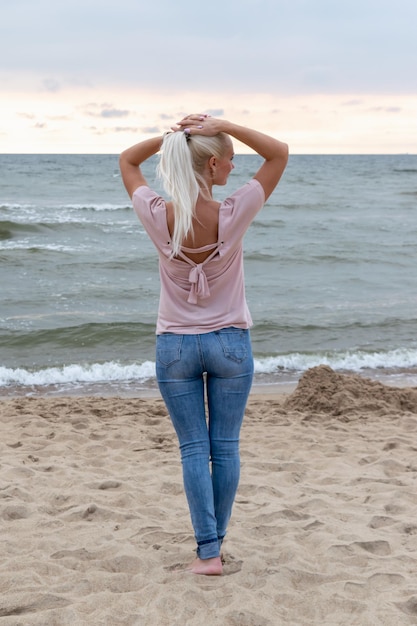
(202, 297)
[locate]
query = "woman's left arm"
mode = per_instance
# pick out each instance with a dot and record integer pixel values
(131, 159)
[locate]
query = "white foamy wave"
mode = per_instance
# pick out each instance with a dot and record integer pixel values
(394, 360)
(25, 244)
(401, 358)
(104, 206)
(95, 373)
(6, 206)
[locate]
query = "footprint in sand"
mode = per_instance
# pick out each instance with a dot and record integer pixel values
(380, 548)
(382, 582)
(410, 529)
(231, 565)
(238, 618)
(409, 607)
(81, 554)
(33, 604)
(106, 484)
(376, 583)
(379, 521)
(15, 512)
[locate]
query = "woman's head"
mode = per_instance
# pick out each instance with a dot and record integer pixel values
(203, 148)
(179, 150)
(188, 165)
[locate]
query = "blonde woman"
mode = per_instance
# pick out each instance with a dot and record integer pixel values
(203, 342)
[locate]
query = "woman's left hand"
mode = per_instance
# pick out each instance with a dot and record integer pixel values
(199, 124)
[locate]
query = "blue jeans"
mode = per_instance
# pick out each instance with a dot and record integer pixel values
(221, 363)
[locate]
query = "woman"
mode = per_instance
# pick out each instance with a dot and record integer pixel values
(203, 350)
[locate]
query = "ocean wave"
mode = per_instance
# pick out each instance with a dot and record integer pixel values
(30, 247)
(7, 206)
(9, 228)
(295, 364)
(34, 221)
(87, 335)
(105, 206)
(71, 206)
(401, 358)
(75, 373)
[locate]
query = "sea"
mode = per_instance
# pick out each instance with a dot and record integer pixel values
(330, 267)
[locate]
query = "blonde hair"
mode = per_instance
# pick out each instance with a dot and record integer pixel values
(181, 165)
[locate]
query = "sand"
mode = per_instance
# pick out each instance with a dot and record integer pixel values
(94, 522)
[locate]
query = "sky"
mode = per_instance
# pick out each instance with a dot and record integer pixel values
(327, 77)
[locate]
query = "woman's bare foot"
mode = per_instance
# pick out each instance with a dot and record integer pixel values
(207, 567)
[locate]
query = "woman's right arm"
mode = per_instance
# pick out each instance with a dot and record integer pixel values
(273, 151)
(131, 159)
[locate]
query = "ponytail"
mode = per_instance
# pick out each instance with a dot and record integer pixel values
(176, 172)
(181, 166)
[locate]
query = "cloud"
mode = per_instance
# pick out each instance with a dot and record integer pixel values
(215, 112)
(151, 130)
(114, 129)
(272, 46)
(352, 103)
(51, 85)
(26, 116)
(126, 129)
(59, 118)
(114, 113)
(393, 109)
(105, 110)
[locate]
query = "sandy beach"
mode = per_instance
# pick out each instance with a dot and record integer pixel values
(95, 527)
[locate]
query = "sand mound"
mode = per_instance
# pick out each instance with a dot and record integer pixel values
(321, 390)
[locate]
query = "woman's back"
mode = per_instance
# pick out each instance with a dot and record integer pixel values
(205, 228)
(204, 290)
